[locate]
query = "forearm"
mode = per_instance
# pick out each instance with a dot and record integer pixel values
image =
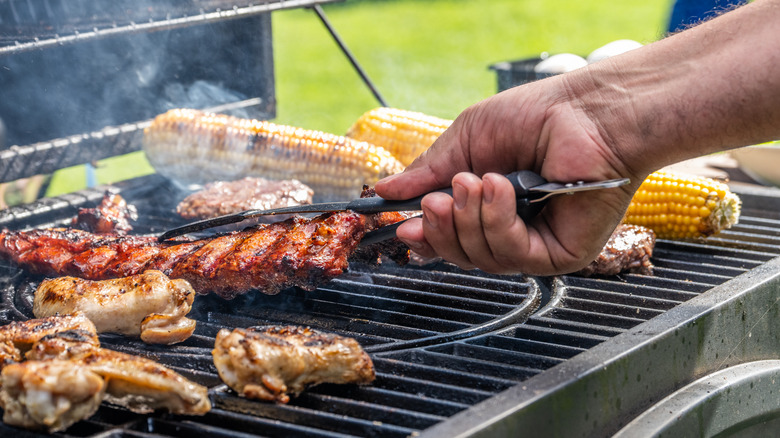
(711, 88)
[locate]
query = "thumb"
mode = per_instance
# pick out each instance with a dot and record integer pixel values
(432, 170)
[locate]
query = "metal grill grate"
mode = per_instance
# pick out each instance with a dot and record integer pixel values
(442, 340)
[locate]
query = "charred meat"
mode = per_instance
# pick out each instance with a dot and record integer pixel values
(112, 216)
(66, 375)
(628, 250)
(149, 305)
(221, 198)
(49, 395)
(296, 252)
(18, 337)
(139, 384)
(274, 362)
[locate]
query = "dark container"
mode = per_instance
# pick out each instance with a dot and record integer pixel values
(513, 73)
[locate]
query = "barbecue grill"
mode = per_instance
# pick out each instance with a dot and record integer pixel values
(457, 353)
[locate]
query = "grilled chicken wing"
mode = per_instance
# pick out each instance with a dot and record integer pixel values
(67, 375)
(19, 336)
(49, 395)
(150, 304)
(270, 363)
(137, 383)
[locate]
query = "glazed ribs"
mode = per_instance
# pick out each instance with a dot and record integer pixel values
(296, 252)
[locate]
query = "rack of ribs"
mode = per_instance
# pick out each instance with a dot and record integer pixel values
(302, 252)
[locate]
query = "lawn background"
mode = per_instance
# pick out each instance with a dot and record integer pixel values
(425, 55)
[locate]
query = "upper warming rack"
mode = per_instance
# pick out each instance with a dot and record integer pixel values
(29, 24)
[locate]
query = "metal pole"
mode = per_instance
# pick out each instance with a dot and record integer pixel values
(320, 13)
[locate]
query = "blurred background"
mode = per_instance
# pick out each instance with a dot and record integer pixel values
(431, 56)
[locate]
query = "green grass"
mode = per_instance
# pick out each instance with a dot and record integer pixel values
(433, 55)
(424, 55)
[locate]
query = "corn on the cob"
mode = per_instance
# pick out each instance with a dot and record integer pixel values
(679, 206)
(194, 147)
(405, 134)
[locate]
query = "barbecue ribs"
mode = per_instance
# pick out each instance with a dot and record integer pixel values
(296, 252)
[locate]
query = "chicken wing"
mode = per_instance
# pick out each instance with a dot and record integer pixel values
(149, 304)
(270, 363)
(49, 395)
(19, 336)
(139, 384)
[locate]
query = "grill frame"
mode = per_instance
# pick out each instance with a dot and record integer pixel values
(555, 371)
(491, 379)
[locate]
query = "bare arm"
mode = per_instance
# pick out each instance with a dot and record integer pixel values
(710, 88)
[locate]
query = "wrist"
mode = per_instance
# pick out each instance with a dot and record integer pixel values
(708, 89)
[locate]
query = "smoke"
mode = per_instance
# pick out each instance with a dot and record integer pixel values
(85, 86)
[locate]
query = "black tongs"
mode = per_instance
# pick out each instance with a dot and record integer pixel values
(532, 192)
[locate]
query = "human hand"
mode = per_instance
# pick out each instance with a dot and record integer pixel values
(539, 127)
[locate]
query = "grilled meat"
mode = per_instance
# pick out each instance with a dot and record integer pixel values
(296, 252)
(628, 250)
(49, 395)
(221, 198)
(63, 345)
(271, 363)
(19, 336)
(137, 383)
(112, 216)
(149, 304)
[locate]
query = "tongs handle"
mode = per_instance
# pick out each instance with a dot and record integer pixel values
(527, 207)
(522, 181)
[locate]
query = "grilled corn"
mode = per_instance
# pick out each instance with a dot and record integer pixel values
(405, 134)
(679, 206)
(195, 147)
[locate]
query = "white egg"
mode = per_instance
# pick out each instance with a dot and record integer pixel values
(611, 49)
(560, 63)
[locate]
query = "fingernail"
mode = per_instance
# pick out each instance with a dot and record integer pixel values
(487, 191)
(460, 195)
(430, 218)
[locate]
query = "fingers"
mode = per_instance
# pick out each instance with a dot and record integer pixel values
(439, 229)
(475, 228)
(504, 232)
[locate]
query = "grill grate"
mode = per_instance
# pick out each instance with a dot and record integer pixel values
(442, 340)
